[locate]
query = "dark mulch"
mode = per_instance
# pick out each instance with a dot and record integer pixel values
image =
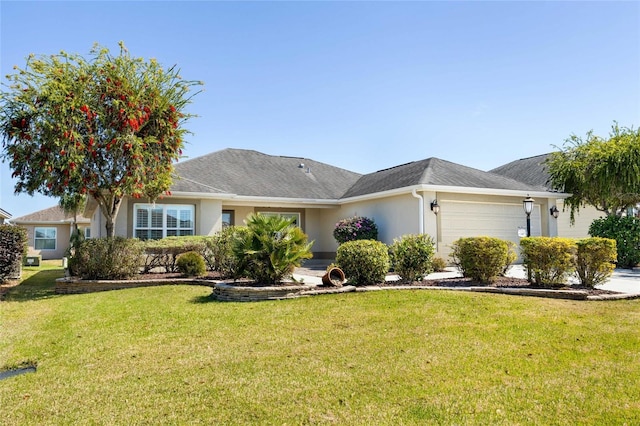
(501, 282)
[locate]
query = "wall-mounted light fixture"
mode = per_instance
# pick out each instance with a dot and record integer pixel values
(435, 208)
(554, 212)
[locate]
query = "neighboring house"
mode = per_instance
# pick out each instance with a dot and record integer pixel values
(225, 186)
(49, 231)
(4, 216)
(532, 171)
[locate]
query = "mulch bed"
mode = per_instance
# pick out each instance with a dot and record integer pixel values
(501, 282)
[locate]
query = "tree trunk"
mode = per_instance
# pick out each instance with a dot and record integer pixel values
(109, 206)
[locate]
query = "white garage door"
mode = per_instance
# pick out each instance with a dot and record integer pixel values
(467, 219)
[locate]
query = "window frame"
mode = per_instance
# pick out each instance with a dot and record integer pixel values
(171, 224)
(232, 218)
(46, 238)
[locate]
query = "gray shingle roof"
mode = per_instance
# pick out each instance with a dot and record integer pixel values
(528, 170)
(437, 172)
(252, 173)
(53, 214)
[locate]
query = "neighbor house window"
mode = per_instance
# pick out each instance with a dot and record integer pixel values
(155, 221)
(287, 215)
(45, 238)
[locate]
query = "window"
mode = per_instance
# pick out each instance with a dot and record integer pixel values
(286, 215)
(155, 221)
(87, 232)
(45, 238)
(227, 218)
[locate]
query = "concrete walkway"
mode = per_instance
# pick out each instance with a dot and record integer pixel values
(623, 280)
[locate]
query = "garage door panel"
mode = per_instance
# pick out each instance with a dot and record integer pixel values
(460, 219)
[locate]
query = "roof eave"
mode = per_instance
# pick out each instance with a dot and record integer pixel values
(456, 189)
(249, 200)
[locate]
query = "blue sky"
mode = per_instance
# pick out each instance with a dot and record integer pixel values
(363, 85)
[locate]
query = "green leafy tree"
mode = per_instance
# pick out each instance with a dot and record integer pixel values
(73, 203)
(603, 173)
(107, 127)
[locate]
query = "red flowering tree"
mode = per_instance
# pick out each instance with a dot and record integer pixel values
(107, 127)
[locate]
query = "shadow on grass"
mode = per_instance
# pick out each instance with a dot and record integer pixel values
(205, 299)
(41, 285)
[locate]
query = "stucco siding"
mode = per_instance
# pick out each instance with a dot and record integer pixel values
(63, 233)
(583, 219)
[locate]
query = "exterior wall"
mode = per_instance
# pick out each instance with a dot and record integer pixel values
(240, 213)
(496, 216)
(395, 216)
(580, 229)
(63, 233)
(208, 217)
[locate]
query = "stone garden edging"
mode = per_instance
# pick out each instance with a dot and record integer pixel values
(77, 286)
(235, 292)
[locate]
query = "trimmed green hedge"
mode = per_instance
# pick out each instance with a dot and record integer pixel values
(483, 259)
(164, 253)
(13, 247)
(550, 260)
(363, 261)
(626, 232)
(113, 258)
(595, 260)
(411, 256)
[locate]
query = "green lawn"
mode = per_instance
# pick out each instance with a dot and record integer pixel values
(171, 355)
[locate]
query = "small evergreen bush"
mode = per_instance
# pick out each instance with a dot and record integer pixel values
(13, 247)
(355, 228)
(363, 261)
(112, 258)
(595, 260)
(270, 249)
(411, 256)
(626, 232)
(482, 259)
(191, 264)
(438, 264)
(549, 260)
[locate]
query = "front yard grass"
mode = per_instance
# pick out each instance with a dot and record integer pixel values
(172, 355)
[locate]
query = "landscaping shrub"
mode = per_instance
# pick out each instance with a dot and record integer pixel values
(270, 249)
(13, 247)
(191, 264)
(355, 228)
(482, 258)
(626, 232)
(108, 258)
(164, 253)
(77, 237)
(549, 260)
(221, 247)
(411, 256)
(595, 260)
(363, 261)
(438, 264)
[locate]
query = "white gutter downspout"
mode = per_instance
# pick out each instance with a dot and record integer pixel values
(414, 192)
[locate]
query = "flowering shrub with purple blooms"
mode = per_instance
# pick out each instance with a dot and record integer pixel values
(355, 228)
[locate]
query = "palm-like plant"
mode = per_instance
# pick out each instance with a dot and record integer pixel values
(271, 249)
